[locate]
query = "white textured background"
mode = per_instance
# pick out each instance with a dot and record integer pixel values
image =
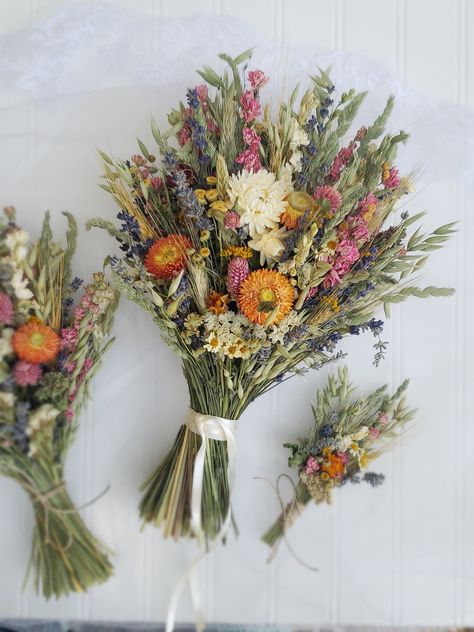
(401, 554)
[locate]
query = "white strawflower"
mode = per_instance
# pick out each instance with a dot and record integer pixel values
(16, 241)
(42, 416)
(360, 434)
(270, 245)
(19, 283)
(299, 138)
(259, 198)
(296, 161)
(7, 400)
(5, 342)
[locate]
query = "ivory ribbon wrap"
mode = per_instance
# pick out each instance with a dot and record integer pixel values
(217, 429)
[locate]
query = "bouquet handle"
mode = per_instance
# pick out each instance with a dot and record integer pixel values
(65, 555)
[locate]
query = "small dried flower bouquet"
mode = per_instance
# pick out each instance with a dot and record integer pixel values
(347, 434)
(49, 353)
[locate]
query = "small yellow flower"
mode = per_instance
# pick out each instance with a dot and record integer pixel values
(211, 180)
(237, 251)
(204, 236)
(200, 193)
(331, 302)
(219, 205)
(364, 460)
(204, 252)
(324, 476)
(211, 195)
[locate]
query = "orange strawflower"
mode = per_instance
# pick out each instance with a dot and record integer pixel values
(217, 303)
(334, 466)
(290, 217)
(167, 256)
(264, 291)
(35, 342)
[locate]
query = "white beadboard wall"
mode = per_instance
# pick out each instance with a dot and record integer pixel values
(402, 554)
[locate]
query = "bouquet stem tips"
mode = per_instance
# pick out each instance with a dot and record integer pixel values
(167, 492)
(66, 557)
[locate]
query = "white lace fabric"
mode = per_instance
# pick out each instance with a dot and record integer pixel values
(94, 47)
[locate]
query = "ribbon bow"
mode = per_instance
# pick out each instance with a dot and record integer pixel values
(217, 429)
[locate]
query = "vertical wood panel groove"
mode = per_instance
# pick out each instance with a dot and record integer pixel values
(397, 343)
(272, 574)
(459, 333)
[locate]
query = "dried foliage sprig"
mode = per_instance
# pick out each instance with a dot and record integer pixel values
(346, 435)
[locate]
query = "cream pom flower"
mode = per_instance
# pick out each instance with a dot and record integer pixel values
(270, 245)
(259, 198)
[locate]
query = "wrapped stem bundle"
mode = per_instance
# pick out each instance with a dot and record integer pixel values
(256, 244)
(49, 353)
(346, 435)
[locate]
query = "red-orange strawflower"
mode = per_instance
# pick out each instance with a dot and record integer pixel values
(35, 342)
(217, 303)
(167, 256)
(265, 291)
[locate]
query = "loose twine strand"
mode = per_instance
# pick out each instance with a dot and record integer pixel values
(289, 513)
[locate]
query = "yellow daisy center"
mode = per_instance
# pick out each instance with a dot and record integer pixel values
(167, 254)
(37, 339)
(267, 297)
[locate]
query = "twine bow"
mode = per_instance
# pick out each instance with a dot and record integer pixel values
(289, 513)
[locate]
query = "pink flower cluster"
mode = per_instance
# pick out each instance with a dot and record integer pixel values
(250, 105)
(6, 309)
(26, 374)
(69, 340)
(257, 79)
(232, 220)
(346, 255)
(249, 158)
(341, 160)
(311, 466)
(367, 202)
(329, 194)
(345, 154)
(393, 179)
